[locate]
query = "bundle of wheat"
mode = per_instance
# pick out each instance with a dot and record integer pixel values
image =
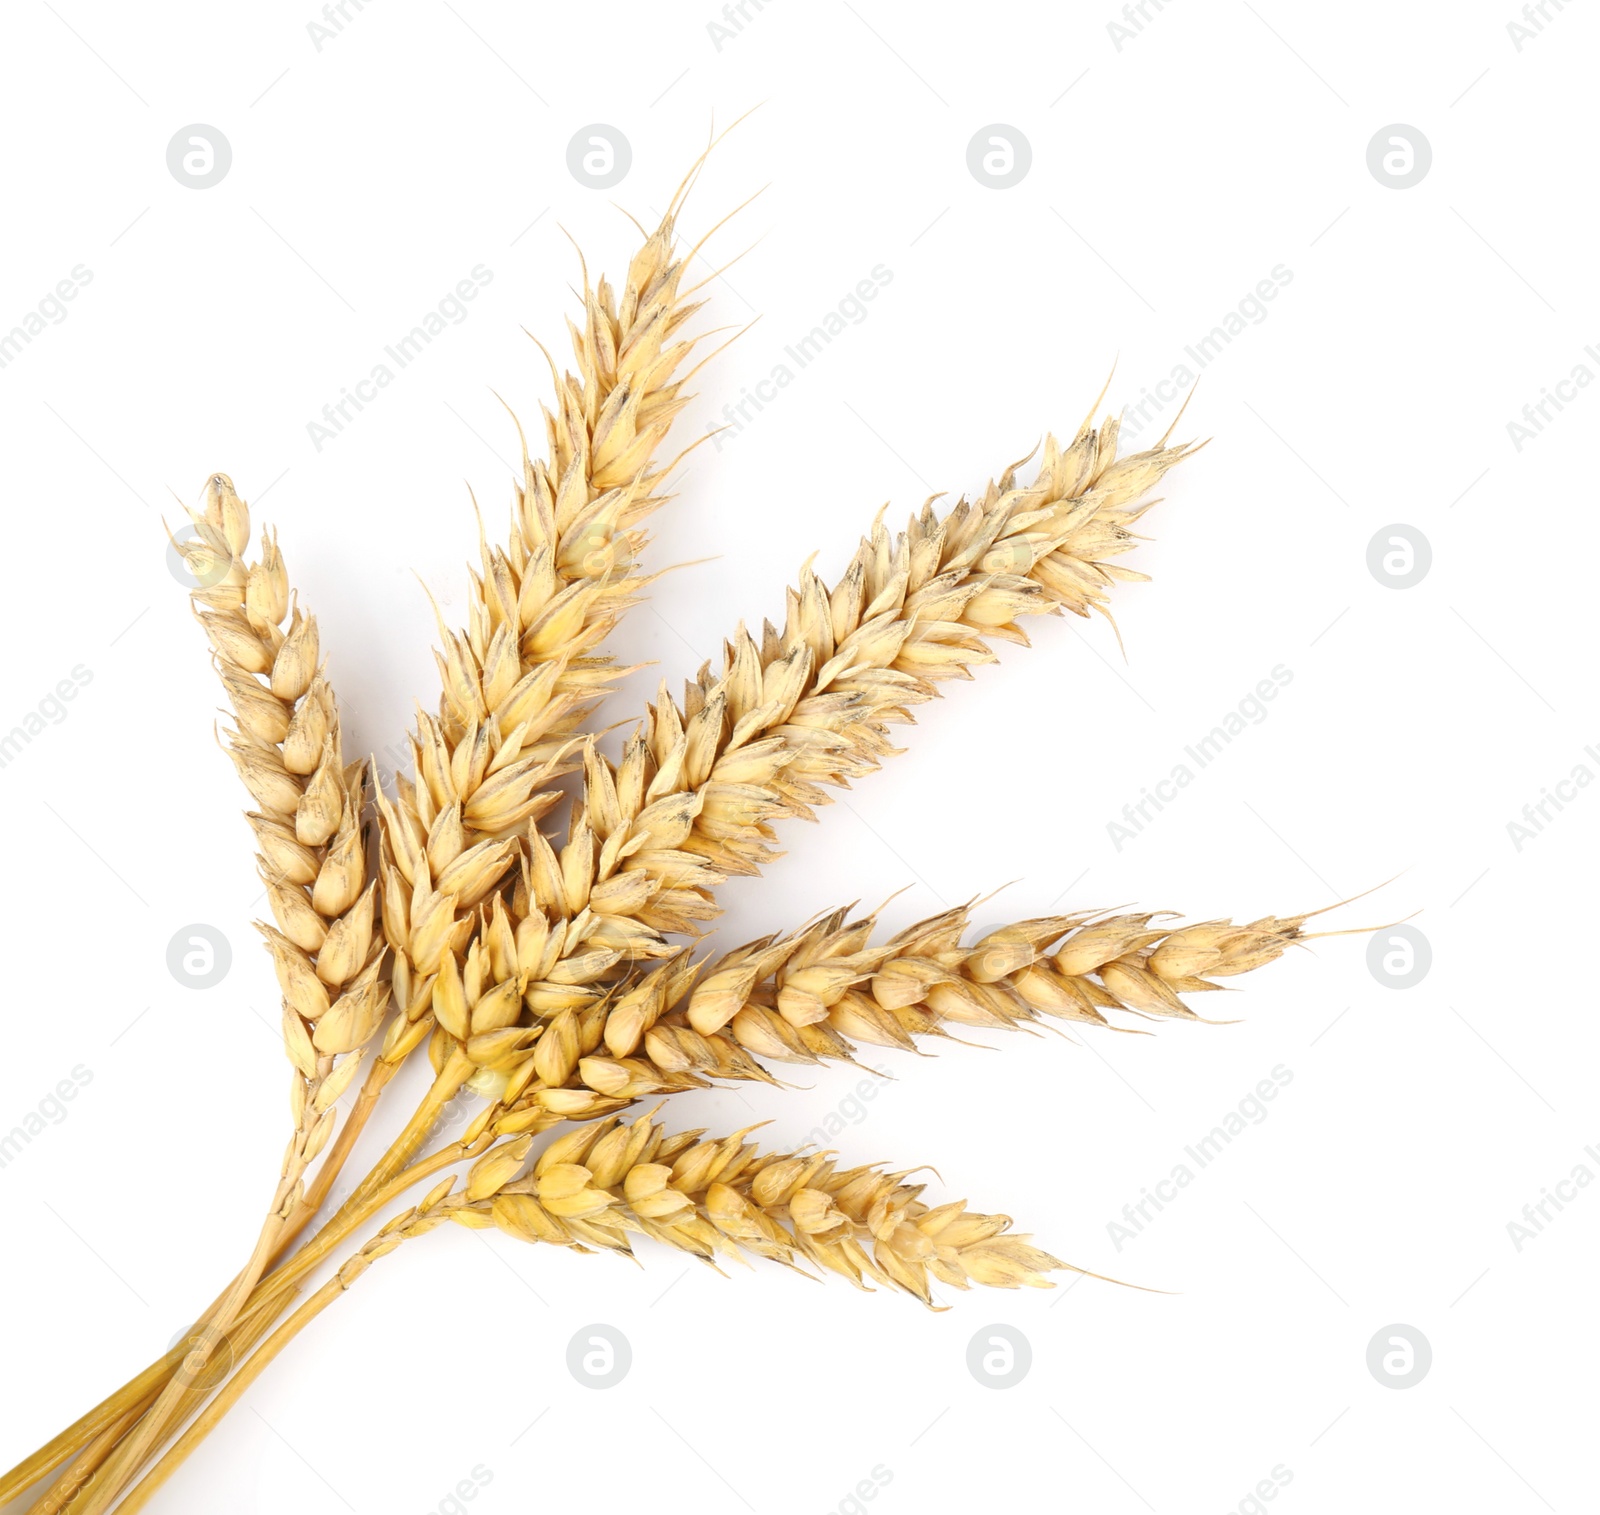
(539, 968)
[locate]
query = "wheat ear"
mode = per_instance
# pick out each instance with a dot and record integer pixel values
(811, 705)
(287, 750)
(287, 745)
(698, 787)
(724, 1197)
(802, 998)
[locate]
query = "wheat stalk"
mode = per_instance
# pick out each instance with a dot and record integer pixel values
(95, 1434)
(287, 748)
(996, 981)
(286, 745)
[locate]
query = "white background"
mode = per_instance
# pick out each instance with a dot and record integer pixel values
(1168, 177)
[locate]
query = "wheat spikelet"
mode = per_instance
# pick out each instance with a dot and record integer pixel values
(724, 1198)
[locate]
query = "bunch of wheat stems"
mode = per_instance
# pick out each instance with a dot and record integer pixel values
(543, 967)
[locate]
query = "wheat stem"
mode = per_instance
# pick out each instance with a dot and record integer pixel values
(440, 1205)
(269, 1300)
(206, 1421)
(89, 1471)
(377, 1079)
(146, 1435)
(451, 1077)
(72, 1482)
